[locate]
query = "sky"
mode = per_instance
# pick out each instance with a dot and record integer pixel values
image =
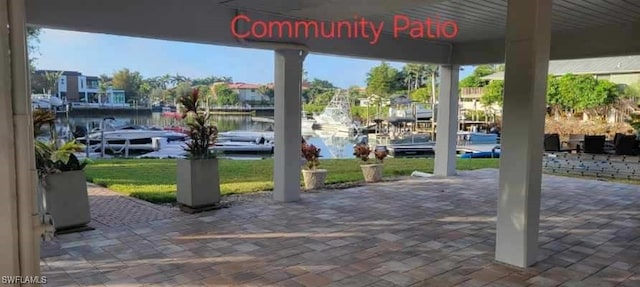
(95, 54)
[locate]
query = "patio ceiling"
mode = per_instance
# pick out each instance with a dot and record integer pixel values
(477, 19)
(581, 28)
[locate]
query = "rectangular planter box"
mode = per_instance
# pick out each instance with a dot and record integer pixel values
(67, 199)
(198, 182)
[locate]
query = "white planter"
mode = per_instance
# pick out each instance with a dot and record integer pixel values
(67, 199)
(198, 183)
(372, 172)
(314, 179)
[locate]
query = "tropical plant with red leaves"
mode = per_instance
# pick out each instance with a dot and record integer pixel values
(362, 151)
(381, 154)
(312, 154)
(201, 132)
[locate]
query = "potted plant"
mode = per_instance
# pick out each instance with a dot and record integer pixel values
(372, 172)
(198, 182)
(61, 176)
(313, 177)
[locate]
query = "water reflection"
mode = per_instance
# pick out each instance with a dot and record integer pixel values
(224, 123)
(332, 145)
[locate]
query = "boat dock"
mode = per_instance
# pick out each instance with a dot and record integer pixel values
(262, 120)
(476, 148)
(485, 150)
(176, 150)
(167, 150)
(428, 150)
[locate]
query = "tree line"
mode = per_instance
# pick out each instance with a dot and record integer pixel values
(161, 89)
(168, 88)
(384, 81)
(569, 94)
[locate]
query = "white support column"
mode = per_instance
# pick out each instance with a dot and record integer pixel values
(527, 62)
(288, 129)
(447, 121)
(19, 231)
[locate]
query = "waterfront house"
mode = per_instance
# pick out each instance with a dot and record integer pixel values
(248, 93)
(74, 87)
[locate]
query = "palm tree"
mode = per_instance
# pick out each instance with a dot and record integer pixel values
(165, 81)
(177, 79)
(414, 75)
(432, 72)
(105, 79)
(102, 89)
(51, 82)
(266, 91)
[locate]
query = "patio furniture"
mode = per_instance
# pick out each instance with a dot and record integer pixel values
(626, 145)
(616, 138)
(594, 144)
(552, 143)
(575, 142)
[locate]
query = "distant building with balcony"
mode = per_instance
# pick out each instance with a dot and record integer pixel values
(73, 87)
(470, 102)
(250, 93)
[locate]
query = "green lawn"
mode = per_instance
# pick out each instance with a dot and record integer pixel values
(154, 180)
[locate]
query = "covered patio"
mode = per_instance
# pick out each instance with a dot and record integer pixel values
(523, 34)
(411, 232)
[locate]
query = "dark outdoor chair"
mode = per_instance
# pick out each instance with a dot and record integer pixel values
(594, 144)
(616, 138)
(626, 145)
(552, 143)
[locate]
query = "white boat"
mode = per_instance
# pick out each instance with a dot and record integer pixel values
(307, 123)
(176, 150)
(245, 136)
(411, 145)
(408, 112)
(413, 139)
(337, 115)
(128, 137)
(423, 113)
(243, 147)
(44, 101)
(167, 150)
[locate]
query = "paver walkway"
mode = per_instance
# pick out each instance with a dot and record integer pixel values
(414, 232)
(111, 209)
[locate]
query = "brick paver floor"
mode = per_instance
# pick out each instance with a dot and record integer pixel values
(111, 209)
(413, 232)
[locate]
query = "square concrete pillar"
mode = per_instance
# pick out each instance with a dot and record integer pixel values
(288, 124)
(19, 231)
(447, 128)
(527, 62)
